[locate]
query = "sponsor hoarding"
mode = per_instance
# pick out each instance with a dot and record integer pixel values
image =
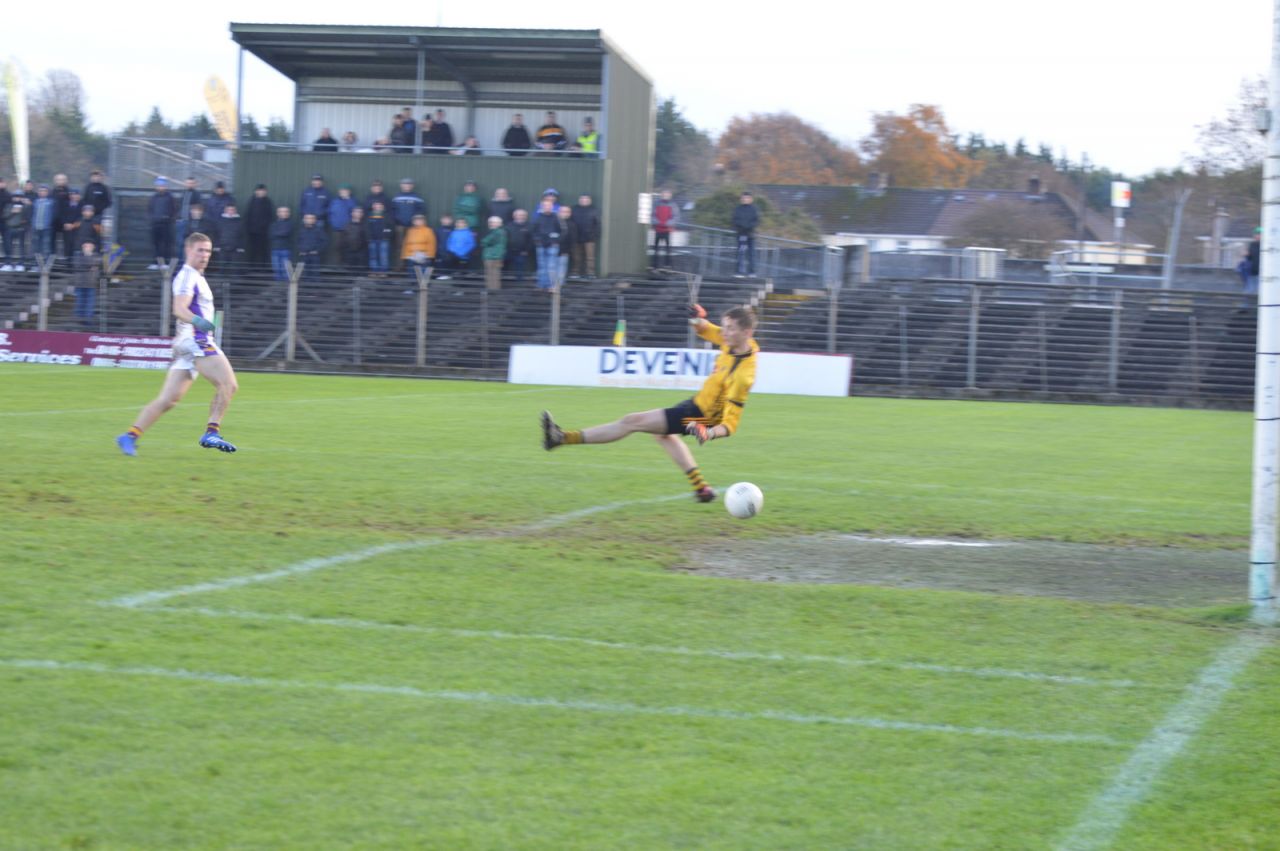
(673, 369)
(75, 349)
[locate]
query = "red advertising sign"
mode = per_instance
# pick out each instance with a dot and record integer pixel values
(73, 349)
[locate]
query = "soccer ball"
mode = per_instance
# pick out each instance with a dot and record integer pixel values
(743, 500)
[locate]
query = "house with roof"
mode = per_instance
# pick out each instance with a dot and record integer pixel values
(882, 218)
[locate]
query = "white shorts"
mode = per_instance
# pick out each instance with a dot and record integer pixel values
(187, 350)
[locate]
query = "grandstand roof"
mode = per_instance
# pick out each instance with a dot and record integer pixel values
(467, 55)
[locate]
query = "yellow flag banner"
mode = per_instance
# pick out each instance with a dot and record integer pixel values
(222, 108)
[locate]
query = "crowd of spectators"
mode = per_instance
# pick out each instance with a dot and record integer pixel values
(432, 134)
(51, 222)
(383, 234)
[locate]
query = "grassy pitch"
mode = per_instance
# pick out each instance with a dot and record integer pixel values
(393, 621)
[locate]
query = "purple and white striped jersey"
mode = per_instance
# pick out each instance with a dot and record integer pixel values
(190, 282)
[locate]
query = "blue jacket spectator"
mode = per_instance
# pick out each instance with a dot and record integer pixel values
(217, 200)
(281, 234)
(312, 240)
(462, 241)
(162, 207)
(340, 209)
(315, 201)
(406, 205)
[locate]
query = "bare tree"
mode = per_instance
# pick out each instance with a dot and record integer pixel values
(1233, 143)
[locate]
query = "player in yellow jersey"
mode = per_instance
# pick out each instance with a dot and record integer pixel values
(713, 413)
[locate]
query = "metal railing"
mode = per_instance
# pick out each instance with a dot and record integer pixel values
(136, 162)
(943, 337)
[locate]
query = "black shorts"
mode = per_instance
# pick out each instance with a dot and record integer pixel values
(679, 415)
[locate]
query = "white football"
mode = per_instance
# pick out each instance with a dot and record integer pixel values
(743, 500)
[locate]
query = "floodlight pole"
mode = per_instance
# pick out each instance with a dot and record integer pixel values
(1266, 430)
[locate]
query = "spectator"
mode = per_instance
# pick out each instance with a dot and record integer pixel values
(68, 221)
(501, 205)
(325, 144)
(281, 236)
(190, 195)
(383, 146)
(516, 140)
(84, 273)
(443, 231)
(217, 201)
(418, 248)
(588, 141)
(18, 219)
(587, 219)
(197, 223)
(340, 210)
(568, 242)
(312, 242)
(664, 219)
(64, 208)
(1253, 265)
(230, 242)
(404, 207)
(350, 142)
(257, 226)
(44, 222)
(315, 201)
(87, 229)
(467, 205)
(440, 137)
(376, 195)
(355, 253)
(470, 147)
(745, 219)
(460, 248)
(399, 138)
(410, 127)
(97, 193)
(493, 250)
(382, 230)
(162, 212)
(519, 243)
(551, 136)
(424, 132)
(546, 241)
(6, 199)
(553, 195)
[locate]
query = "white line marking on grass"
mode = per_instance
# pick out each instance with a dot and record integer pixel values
(921, 542)
(1107, 812)
(134, 601)
(732, 655)
(487, 698)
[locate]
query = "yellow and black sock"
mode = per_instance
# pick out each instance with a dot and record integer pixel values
(695, 478)
(573, 436)
(212, 428)
(134, 432)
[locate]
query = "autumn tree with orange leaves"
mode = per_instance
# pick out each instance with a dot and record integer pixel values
(917, 150)
(780, 148)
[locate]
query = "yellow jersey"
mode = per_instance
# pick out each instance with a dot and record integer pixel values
(724, 393)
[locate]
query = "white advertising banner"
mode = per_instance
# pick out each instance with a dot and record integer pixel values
(673, 369)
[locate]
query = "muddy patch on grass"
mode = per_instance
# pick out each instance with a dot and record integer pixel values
(1152, 576)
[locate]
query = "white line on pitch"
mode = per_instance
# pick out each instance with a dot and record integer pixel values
(732, 655)
(1107, 812)
(133, 601)
(486, 698)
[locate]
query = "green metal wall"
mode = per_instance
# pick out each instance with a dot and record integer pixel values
(629, 164)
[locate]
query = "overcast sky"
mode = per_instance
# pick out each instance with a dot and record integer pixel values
(1126, 81)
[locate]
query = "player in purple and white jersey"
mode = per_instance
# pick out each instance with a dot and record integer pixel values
(194, 352)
